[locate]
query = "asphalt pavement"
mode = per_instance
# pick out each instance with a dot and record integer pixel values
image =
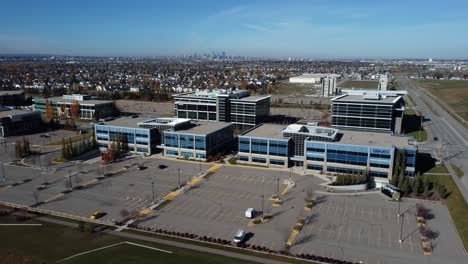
(452, 144)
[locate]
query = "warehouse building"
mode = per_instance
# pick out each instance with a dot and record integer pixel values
(237, 107)
(370, 110)
(87, 107)
(326, 150)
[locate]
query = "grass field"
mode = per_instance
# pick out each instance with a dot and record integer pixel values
(453, 93)
(293, 88)
(51, 243)
(360, 84)
(457, 170)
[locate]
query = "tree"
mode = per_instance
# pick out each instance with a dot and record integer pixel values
(124, 143)
(418, 187)
(64, 152)
(403, 185)
(442, 190)
(49, 109)
(75, 110)
(427, 185)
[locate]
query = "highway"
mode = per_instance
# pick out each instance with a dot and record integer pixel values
(452, 146)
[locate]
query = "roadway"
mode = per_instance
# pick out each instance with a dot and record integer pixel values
(452, 146)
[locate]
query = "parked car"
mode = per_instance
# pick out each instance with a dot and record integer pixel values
(97, 215)
(239, 237)
(141, 167)
(162, 166)
(436, 138)
(250, 213)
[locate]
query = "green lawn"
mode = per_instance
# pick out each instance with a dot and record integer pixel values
(50, 243)
(459, 172)
(438, 169)
(457, 207)
(420, 136)
(452, 93)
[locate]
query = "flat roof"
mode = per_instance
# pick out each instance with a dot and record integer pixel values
(171, 121)
(266, 131)
(10, 92)
(14, 112)
(203, 128)
(382, 99)
(374, 139)
(91, 101)
(126, 122)
(313, 131)
(252, 98)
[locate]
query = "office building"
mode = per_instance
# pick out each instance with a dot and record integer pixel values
(139, 140)
(326, 150)
(200, 141)
(370, 110)
(237, 107)
(87, 107)
(12, 98)
(14, 122)
(383, 82)
(329, 87)
(175, 137)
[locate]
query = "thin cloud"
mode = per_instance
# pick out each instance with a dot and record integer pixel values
(258, 28)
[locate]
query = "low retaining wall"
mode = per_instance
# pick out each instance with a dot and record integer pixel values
(357, 187)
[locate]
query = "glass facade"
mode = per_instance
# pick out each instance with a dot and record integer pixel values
(139, 140)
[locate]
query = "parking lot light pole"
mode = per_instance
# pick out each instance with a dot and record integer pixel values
(152, 187)
(399, 203)
(69, 178)
(178, 173)
(277, 187)
(262, 205)
(3, 173)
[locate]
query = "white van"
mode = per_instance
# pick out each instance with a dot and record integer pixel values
(250, 213)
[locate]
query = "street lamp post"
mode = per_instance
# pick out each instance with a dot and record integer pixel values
(69, 178)
(178, 173)
(277, 187)
(262, 205)
(152, 187)
(3, 172)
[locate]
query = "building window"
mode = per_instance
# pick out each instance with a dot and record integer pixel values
(201, 156)
(186, 154)
(172, 153)
(277, 162)
(314, 167)
(258, 160)
(243, 158)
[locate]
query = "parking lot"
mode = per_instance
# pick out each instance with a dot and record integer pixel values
(350, 227)
(366, 228)
(216, 207)
(128, 189)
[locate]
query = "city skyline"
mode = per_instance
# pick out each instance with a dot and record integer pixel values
(268, 29)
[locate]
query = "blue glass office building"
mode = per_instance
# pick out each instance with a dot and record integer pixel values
(140, 140)
(199, 142)
(326, 150)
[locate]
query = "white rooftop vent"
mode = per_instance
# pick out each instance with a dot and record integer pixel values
(371, 96)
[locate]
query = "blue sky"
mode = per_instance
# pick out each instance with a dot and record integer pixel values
(309, 28)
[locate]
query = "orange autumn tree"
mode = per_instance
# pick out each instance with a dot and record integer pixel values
(49, 109)
(75, 110)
